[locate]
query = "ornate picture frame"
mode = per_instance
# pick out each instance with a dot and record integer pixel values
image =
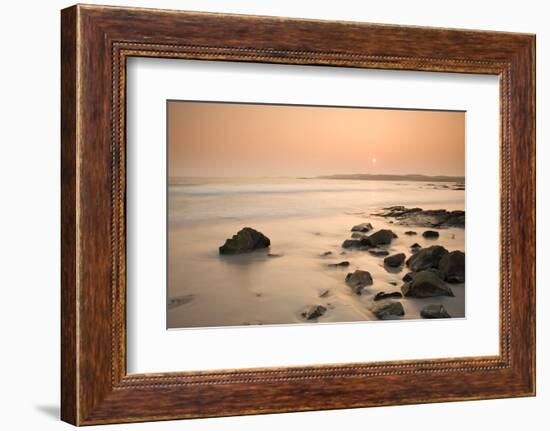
(96, 41)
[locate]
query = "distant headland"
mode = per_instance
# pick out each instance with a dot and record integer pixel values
(389, 177)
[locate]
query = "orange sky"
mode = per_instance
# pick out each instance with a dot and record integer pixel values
(243, 140)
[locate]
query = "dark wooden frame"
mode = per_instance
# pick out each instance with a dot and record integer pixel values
(95, 43)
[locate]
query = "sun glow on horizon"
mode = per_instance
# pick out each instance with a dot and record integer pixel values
(232, 140)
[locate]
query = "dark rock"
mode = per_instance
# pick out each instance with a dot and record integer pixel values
(356, 243)
(393, 283)
(379, 253)
(324, 293)
(455, 219)
(326, 253)
(389, 310)
(351, 243)
(398, 211)
(410, 232)
(358, 280)
(430, 234)
(426, 218)
(434, 311)
(426, 258)
(426, 284)
(384, 295)
(363, 227)
(314, 312)
(339, 264)
(381, 237)
(395, 260)
(436, 271)
(274, 255)
(358, 235)
(245, 241)
(452, 267)
(408, 276)
(415, 248)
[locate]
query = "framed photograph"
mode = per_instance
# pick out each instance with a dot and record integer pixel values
(297, 173)
(259, 208)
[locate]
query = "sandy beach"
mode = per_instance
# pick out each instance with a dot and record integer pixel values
(304, 219)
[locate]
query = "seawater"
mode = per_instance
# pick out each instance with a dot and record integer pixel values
(303, 218)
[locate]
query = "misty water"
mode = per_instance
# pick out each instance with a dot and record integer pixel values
(303, 219)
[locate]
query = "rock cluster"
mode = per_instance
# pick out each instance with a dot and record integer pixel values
(430, 268)
(365, 242)
(424, 218)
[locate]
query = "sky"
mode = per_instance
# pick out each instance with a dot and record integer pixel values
(208, 139)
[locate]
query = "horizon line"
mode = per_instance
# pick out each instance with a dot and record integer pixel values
(330, 176)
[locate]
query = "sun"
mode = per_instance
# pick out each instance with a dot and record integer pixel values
(373, 160)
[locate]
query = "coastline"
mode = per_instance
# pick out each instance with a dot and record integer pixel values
(179, 180)
(209, 290)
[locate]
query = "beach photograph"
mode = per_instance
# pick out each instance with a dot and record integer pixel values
(298, 214)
